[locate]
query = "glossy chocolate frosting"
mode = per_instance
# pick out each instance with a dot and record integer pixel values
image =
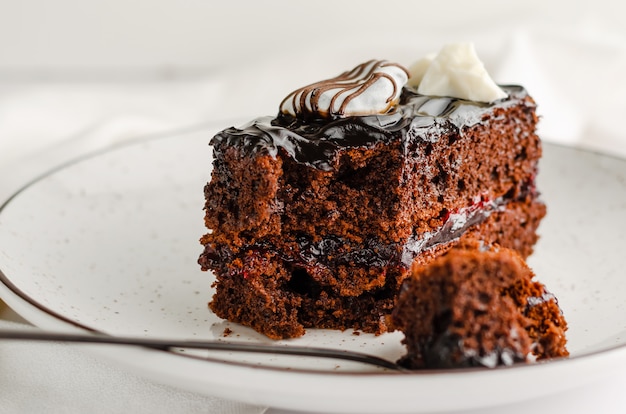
(315, 142)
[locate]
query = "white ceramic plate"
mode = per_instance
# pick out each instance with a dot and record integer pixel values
(110, 243)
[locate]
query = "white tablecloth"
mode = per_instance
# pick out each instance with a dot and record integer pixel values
(573, 68)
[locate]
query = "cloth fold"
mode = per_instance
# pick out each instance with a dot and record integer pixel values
(58, 378)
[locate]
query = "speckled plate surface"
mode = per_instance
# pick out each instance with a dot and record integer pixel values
(110, 243)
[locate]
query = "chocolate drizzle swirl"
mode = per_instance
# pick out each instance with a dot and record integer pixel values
(331, 97)
(316, 142)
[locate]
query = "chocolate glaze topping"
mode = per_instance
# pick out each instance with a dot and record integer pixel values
(316, 142)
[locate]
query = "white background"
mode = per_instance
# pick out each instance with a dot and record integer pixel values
(161, 37)
(70, 35)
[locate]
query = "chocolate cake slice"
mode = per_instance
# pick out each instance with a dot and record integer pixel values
(316, 215)
(477, 308)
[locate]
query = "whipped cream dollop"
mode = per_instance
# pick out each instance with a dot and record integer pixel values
(373, 87)
(418, 69)
(456, 71)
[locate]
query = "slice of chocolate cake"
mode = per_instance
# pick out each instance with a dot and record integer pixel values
(316, 216)
(477, 308)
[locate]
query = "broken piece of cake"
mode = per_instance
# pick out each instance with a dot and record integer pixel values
(477, 307)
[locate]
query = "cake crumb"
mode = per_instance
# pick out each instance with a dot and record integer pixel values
(227, 332)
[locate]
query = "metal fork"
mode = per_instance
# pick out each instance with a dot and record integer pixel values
(169, 344)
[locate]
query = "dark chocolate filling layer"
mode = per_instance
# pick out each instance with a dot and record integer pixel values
(373, 253)
(315, 142)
